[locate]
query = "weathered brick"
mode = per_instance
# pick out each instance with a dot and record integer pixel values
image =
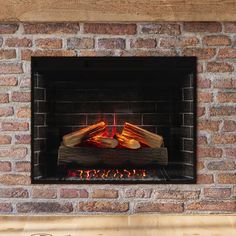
(102, 206)
(143, 43)
(201, 140)
(51, 28)
(230, 27)
(11, 68)
(93, 53)
(23, 139)
(226, 97)
(104, 193)
(45, 193)
(201, 53)
(14, 179)
(14, 152)
(21, 97)
(209, 152)
(229, 206)
(216, 40)
(178, 42)
(49, 43)
(226, 178)
(111, 43)
(158, 207)
(180, 195)
(201, 111)
(222, 111)
(5, 139)
(227, 53)
(23, 166)
(13, 193)
(18, 42)
(6, 111)
(73, 193)
(23, 112)
(7, 54)
(104, 28)
(145, 53)
(8, 81)
(138, 193)
(15, 126)
(230, 152)
(6, 207)
(217, 193)
(205, 97)
(200, 165)
(229, 126)
(44, 207)
(223, 83)
(4, 98)
(221, 165)
(205, 27)
(224, 139)
(210, 125)
(5, 166)
(25, 83)
(205, 179)
(80, 43)
(8, 28)
(219, 67)
(169, 29)
(203, 83)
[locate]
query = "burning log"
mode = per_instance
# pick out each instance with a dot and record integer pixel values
(103, 142)
(76, 137)
(143, 136)
(127, 142)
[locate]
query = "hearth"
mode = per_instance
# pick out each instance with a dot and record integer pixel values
(113, 120)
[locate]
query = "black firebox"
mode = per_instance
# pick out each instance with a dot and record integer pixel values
(155, 94)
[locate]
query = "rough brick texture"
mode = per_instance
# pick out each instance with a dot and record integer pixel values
(214, 45)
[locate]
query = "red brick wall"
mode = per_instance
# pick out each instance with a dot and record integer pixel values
(215, 46)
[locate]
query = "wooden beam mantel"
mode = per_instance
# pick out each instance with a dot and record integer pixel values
(117, 10)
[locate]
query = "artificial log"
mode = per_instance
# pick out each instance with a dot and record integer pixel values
(76, 137)
(103, 142)
(143, 136)
(127, 142)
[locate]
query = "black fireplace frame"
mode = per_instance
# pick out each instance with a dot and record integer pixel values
(44, 63)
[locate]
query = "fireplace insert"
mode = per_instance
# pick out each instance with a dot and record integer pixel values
(113, 120)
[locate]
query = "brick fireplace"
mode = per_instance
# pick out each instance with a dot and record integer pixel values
(213, 44)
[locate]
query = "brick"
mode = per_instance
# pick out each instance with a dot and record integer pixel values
(4, 98)
(93, 53)
(23, 139)
(223, 111)
(204, 179)
(45, 193)
(138, 193)
(5, 166)
(7, 54)
(229, 126)
(179, 195)
(23, 166)
(201, 111)
(25, 83)
(204, 27)
(180, 42)
(51, 28)
(217, 193)
(44, 207)
(143, 43)
(114, 29)
(13, 193)
(203, 83)
(14, 179)
(230, 152)
(224, 139)
(23, 112)
(221, 165)
(226, 97)
(145, 53)
(219, 67)
(15, 126)
(229, 206)
(216, 40)
(230, 27)
(205, 97)
(226, 178)
(227, 53)
(1, 41)
(201, 140)
(8, 28)
(201, 53)
(102, 206)
(26, 54)
(223, 83)
(5, 208)
(8, 81)
(110, 43)
(49, 43)
(158, 207)
(169, 29)
(18, 42)
(209, 152)
(21, 97)
(104, 193)
(6, 111)
(11, 68)
(14, 152)
(209, 125)
(5, 139)
(73, 193)
(200, 165)
(80, 43)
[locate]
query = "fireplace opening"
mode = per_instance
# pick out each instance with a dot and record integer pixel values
(113, 120)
